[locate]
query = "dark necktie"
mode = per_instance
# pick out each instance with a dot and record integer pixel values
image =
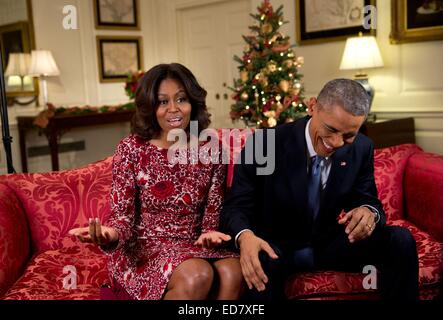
(314, 186)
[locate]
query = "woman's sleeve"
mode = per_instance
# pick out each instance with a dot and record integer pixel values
(123, 193)
(211, 217)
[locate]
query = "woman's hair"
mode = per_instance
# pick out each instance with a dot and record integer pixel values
(145, 123)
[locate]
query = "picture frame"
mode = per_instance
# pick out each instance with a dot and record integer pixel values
(416, 20)
(320, 21)
(17, 38)
(117, 56)
(117, 14)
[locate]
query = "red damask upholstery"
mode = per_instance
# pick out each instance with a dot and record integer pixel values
(39, 209)
(424, 205)
(44, 277)
(389, 168)
(59, 201)
(14, 238)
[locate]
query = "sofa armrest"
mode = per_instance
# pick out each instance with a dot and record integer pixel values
(14, 238)
(423, 186)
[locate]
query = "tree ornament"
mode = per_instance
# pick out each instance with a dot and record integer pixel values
(272, 122)
(288, 63)
(271, 66)
(244, 75)
(244, 96)
(266, 28)
(284, 85)
(300, 61)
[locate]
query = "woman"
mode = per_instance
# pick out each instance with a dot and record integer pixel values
(161, 237)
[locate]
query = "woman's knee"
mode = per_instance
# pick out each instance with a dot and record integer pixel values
(229, 271)
(193, 276)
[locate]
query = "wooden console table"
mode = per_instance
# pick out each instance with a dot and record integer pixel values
(60, 124)
(390, 132)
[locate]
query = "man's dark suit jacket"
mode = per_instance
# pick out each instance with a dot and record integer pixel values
(274, 207)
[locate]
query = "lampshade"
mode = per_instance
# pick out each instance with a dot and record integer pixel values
(43, 64)
(361, 53)
(18, 64)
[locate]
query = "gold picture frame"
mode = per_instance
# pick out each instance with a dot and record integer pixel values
(409, 25)
(327, 32)
(118, 56)
(21, 33)
(117, 14)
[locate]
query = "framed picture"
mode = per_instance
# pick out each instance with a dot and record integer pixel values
(416, 20)
(16, 38)
(117, 14)
(117, 56)
(321, 21)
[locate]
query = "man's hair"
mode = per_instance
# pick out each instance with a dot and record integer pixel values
(348, 94)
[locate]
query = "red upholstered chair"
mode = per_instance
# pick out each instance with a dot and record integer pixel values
(36, 213)
(37, 210)
(410, 186)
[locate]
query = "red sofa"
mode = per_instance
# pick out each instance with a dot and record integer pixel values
(37, 211)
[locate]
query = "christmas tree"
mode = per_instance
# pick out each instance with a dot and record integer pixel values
(269, 91)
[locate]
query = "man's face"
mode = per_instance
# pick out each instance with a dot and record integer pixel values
(331, 127)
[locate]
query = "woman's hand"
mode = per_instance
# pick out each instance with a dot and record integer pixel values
(211, 239)
(96, 233)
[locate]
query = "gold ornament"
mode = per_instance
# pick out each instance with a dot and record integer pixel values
(244, 76)
(288, 120)
(269, 114)
(278, 98)
(264, 81)
(300, 60)
(271, 66)
(294, 91)
(266, 28)
(288, 63)
(284, 85)
(272, 122)
(244, 96)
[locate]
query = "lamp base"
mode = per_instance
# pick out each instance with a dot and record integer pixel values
(363, 80)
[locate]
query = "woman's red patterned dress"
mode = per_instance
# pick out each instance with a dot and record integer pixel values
(159, 209)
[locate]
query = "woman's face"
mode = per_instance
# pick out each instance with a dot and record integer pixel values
(174, 108)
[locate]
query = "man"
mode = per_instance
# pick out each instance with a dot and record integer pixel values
(319, 209)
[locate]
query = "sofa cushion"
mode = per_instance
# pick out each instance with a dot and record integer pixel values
(430, 254)
(389, 168)
(424, 192)
(14, 235)
(44, 277)
(56, 202)
(345, 285)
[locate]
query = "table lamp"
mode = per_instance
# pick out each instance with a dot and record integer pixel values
(18, 66)
(43, 66)
(361, 53)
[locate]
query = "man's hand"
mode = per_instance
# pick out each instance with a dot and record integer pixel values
(359, 222)
(250, 246)
(211, 239)
(96, 233)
